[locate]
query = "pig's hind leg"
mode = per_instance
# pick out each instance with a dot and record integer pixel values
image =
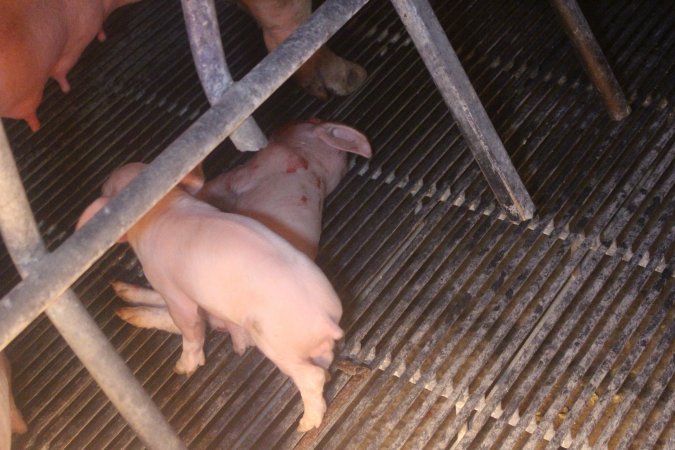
(301, 368)
(187, 316)
(157, 317)
(310, 380)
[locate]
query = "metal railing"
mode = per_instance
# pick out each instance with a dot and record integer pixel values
(48, 276)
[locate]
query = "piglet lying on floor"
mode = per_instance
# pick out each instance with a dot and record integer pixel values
(283, 187)
(245, 277)
(10, 417)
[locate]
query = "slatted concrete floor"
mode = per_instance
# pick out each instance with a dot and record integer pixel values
(471, 331)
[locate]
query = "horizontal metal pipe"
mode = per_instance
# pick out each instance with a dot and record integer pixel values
(25, 246)
(54, 273)
(201, 21)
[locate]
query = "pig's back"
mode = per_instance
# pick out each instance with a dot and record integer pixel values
(231, 265)
(290, 205)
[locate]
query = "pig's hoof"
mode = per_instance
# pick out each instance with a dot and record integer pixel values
(137, 295)
(128, 315)
(331, 75)
(240, 342)
(18, 425)
(121, 289)
(190, 366)
(307, 423)
(182, 369)
(239, 348)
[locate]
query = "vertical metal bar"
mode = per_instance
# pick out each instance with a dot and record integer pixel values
(201, 21)
(25, 246)
(592, 58)
(453, 83)
(55, 272)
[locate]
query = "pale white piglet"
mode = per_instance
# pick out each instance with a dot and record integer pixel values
(10, 416)
(247, 278)
(283, 186)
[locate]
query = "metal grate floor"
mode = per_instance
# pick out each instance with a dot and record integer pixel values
(475, 332)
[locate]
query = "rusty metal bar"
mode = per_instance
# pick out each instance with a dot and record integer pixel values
(201, 21)
(23, 241)
(55, 272)
(458, 93)
(592, 58)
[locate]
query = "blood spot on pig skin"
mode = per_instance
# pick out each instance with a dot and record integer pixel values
(297, 164)
(303, 200)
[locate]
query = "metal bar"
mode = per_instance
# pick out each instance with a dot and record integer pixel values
(450, 78)
(201, 21)
(54, 273)
(23, 241)
(592, 58)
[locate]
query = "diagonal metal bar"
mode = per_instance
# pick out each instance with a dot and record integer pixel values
(23, 241)
(458, 93)
(201, 21)
(53, 274)
(592, 58)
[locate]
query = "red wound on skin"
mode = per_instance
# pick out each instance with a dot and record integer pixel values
(303, 199)
(297, 164)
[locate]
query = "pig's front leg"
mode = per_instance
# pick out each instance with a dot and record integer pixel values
(137, 295)
(326, 74)
(187, 317)
(156, 317)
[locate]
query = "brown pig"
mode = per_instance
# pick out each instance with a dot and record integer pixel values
(255, 284)
(10, 416)
(283, 187)
(40, 39)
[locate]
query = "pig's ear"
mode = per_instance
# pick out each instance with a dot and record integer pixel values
(91, 211)
(193, 181)
(342, 137)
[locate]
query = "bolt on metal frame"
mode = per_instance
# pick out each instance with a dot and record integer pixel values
(48, 276)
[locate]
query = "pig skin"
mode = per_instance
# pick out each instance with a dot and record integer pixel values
(10, 416)
(283, 187)
(211, 268)
(41, 39)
